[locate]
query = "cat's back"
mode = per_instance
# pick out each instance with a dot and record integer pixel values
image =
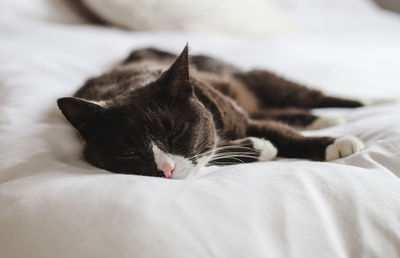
(123, 78)
(145, 65)
(138, 69)
(213, 81)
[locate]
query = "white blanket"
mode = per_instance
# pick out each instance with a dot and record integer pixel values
(53, 204)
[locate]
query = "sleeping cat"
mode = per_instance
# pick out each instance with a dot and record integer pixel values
(160, 115)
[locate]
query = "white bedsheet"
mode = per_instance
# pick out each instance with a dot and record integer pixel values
(53, 204)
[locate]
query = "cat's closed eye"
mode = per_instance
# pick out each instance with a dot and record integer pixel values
(129, 155)
(179, 130)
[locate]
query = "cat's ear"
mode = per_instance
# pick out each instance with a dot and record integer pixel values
(176, 77)
(80, 113)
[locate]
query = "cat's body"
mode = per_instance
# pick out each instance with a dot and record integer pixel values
(152, 118)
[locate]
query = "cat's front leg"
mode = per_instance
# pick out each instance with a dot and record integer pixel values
(291, 144)
(245, 150)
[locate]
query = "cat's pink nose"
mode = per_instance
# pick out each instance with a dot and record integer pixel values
(168, 170)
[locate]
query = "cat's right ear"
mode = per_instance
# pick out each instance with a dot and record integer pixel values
(176, 78)
(79, 112)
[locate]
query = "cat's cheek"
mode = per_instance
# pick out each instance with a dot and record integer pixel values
(91, 155)
(184, 168)
(181, 174)
(187, 169)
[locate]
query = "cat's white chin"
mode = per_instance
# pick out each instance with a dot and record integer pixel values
(181, 172)
(186, 173)
(184, 168)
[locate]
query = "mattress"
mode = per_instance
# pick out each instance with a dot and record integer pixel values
(54, 204)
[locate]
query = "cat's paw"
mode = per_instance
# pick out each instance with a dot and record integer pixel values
(343, 147)
(325, 121)
(266, 148)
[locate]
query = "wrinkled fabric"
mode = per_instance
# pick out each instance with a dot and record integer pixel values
(54, 204)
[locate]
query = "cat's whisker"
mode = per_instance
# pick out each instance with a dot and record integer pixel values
(234, 157)
(217, 163)
(236, 154)
(233, 147)
(220, 149)
(228, 155)
(202, 154)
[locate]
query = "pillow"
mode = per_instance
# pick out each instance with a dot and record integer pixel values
(233, 17)
(59, 11)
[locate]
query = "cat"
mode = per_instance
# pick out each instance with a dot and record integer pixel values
(160, 115)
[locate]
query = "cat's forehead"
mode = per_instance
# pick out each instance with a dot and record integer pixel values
(145, 120)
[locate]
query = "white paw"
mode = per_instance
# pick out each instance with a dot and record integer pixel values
(343, 147)
(324, 122)
(266, 148)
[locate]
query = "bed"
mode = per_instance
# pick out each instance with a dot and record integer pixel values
(54, 204)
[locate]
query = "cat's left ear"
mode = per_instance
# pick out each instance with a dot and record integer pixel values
(87, 117)
(176, 78)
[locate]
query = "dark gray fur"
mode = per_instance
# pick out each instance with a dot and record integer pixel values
(186, 107)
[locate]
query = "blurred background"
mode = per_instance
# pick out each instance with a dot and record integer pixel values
(329, 44)
(237, 18)
(393, 5)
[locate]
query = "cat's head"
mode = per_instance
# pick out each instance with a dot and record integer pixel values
(158, 130)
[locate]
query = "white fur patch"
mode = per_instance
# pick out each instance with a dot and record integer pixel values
(184, 168)
(266, 148)
(343, 147)
(324, 122)
(161, 157)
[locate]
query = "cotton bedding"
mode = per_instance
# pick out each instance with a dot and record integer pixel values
(53, 204)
